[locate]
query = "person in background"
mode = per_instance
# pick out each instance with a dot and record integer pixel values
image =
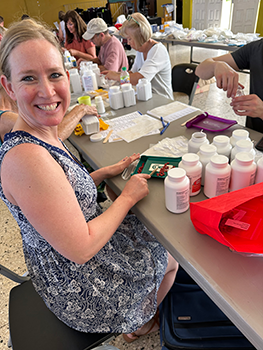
(75, 44)
(24, 16)
(61, 30)
(152, 60)
(112, 55)
(225, 70)
(2, 31)
(96, 271)
(9, 115)
(2, 23)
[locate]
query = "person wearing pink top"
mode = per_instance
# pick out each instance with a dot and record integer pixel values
(75, 44)
(112, 55)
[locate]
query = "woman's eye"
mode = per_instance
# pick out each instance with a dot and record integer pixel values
(55, 75)
(28, 78)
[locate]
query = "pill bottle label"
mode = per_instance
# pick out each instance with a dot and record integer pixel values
(182, 202)
(222, 185)
(195, 184)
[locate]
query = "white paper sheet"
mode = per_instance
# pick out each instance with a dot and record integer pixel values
(143, 126)
(173, 111)
(119, 124)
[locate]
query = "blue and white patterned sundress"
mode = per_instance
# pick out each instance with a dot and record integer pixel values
(116, 290)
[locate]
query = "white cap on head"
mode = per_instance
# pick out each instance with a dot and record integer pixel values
(95, 26)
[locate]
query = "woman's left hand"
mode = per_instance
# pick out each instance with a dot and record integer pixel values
(118, 168)
(74, 52)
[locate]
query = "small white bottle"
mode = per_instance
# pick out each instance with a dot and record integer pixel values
(222, 144)
(144, 90)
(75, 80)
(116, 97)
(89, 80)
(128, 95)
(193, 167)
(96, 70)
(73, 61)
(217, 176)
(99, 105)
(124, 76)
(198, 139)
(67, 56)
(259, 173)
(243, 146)
(176, 188)
(83, 66)
(205, 153)
(239, 134)
(243, 171)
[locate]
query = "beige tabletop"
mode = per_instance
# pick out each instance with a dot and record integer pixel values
(234, 282)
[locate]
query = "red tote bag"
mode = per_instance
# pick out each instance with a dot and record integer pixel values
(234, 219)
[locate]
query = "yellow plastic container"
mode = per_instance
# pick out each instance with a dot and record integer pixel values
(84, 100)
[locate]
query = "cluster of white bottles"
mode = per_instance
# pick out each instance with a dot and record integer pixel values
(87, 78)
(69, 61)
(122, 97)
(228, 164)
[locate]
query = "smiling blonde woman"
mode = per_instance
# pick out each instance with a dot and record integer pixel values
(97, 272)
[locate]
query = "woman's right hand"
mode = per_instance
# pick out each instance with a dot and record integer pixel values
(136, 188)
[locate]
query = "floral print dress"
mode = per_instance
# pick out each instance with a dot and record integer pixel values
(116, 290)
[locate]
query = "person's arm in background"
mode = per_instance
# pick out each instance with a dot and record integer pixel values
(134, 77)
(72, 118)
(65, 128)
(60, 33)
(7, 122)
(89, 55)
(224, 69)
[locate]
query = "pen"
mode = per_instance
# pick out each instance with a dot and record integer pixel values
(165, 126)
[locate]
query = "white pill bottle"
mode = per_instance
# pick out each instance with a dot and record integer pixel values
(197, 140)
(223, 145)
(217, 176)
(243, 146)
(176, 190)
(193, 167)
(239, 134)
(205, 153)
(243, 171)
(259, 173)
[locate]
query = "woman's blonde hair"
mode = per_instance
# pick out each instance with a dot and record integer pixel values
(140, 27)
(21, 32)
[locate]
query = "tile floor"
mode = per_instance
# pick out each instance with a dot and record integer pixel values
(213, 101)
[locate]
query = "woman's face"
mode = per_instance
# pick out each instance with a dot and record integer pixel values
(38, 83)
(71, 26)
(130, 38)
